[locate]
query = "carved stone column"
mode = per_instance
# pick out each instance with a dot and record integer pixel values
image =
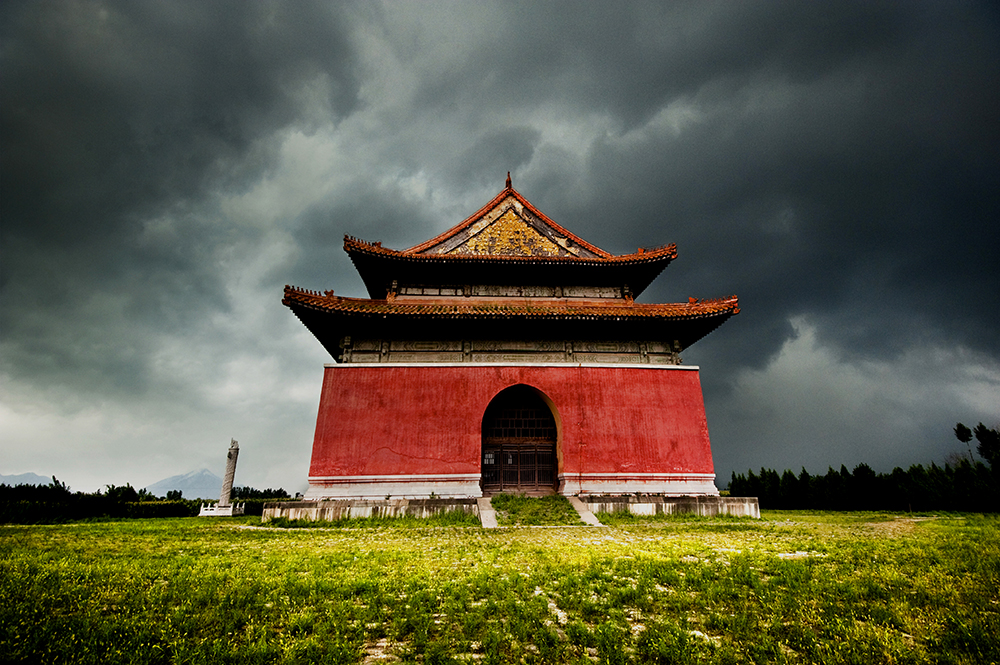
(227, 481)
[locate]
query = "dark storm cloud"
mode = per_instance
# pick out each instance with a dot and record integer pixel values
(120, 106)
(118, 113)
(807, 209)
(842, 165)
(512, 146)
(369, 213)
(630, 59)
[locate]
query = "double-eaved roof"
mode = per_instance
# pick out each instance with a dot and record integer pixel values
(506, 265)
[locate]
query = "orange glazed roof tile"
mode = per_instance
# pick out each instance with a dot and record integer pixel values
(519, 307)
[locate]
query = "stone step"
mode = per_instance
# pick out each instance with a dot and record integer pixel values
(487, 516)
(584, 512)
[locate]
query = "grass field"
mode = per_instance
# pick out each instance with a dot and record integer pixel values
(794, 587)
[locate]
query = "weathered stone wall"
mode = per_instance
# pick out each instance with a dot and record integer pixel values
(706, 506)
(340, 509)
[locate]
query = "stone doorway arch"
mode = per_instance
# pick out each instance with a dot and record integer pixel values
(519, 435)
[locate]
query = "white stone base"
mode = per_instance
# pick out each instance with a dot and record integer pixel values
(337, 509)
(647, 505)
(664, 484)
(460, 486)
(215, 510)
(417, 486)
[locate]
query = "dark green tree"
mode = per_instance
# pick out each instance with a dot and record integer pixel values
(964, 434)
(864, 488)
(989, 442)
(244, 493)
(788, 491)
(58, 487)
(125, 494)
(806, 489)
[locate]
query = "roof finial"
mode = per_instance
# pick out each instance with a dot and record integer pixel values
(508, 180)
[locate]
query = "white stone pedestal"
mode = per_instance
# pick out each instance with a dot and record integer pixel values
(215, 510)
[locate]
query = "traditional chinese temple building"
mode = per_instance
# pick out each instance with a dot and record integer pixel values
(508, 354)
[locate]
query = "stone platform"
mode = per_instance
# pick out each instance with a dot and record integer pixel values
(642, 504)
(652, 504)
(344, 508)
(215, 510)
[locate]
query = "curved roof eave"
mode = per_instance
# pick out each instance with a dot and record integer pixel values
(521, 308)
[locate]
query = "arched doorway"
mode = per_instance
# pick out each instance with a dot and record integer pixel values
(519, 443)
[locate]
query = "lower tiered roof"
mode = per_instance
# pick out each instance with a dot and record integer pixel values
(330, 317)
(487, 308)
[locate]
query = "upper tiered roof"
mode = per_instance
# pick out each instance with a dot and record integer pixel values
(508, 241)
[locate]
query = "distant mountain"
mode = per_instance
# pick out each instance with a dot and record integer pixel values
(26, 479)
(195, 485)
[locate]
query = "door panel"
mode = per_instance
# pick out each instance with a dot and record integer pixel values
(519, 443)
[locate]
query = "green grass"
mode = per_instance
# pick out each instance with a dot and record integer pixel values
(793, 587)
(521, 510)
(624, 518)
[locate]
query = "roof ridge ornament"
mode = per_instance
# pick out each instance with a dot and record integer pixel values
(508, 181)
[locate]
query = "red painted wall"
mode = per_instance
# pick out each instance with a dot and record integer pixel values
(427, 419)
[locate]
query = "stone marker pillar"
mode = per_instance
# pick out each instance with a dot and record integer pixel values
(227, 481)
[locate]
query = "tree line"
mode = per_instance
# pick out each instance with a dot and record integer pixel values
(52, 503)
(965, 485)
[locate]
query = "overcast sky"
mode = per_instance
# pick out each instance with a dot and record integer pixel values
(166, 167)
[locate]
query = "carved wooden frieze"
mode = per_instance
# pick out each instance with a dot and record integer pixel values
(518, 357)
(516, 345)
(511, 350)
(607, 358)
(504, 291)
(437, 357)
(664, 359)
(362, 357)
(425, 346)
(425, 290)
(606, 347)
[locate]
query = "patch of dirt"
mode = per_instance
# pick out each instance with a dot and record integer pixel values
(799, 555)
(379, 653)
(898, 526)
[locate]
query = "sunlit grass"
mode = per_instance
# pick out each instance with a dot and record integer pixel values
(797, 588)
(623, 518)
